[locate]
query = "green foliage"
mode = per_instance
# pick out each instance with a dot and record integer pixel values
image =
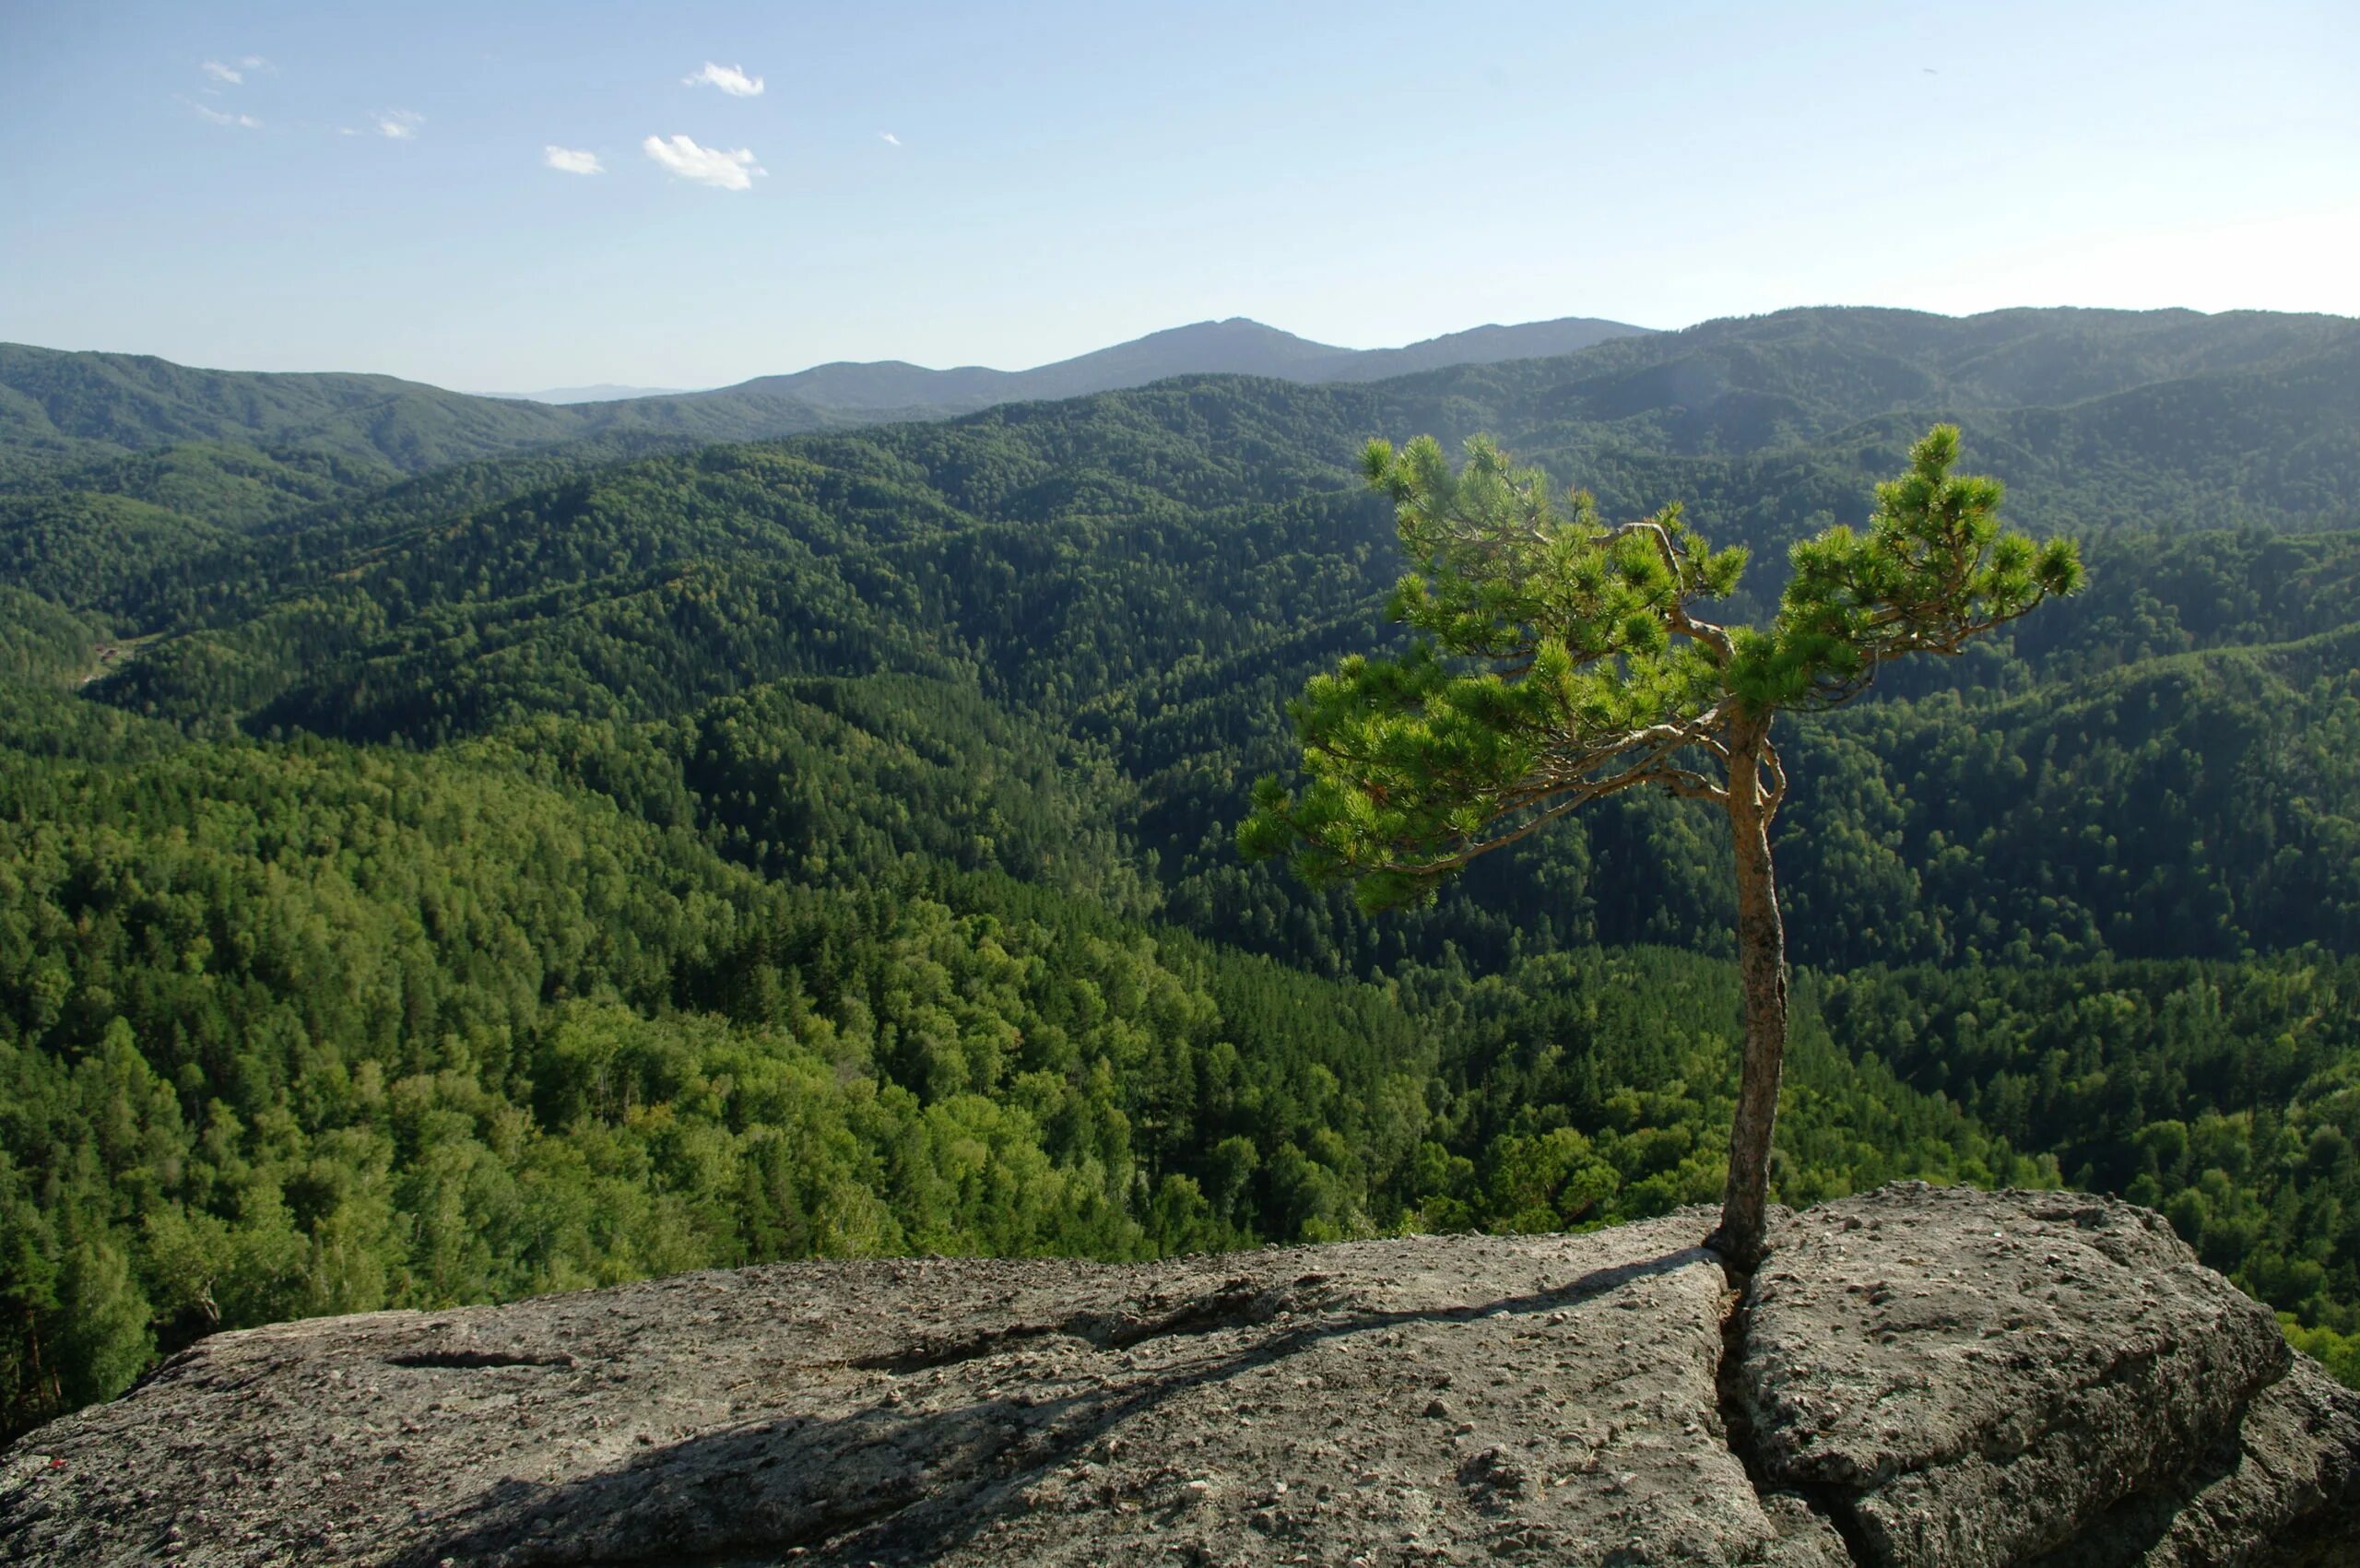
(1934, 572)
(1547, 652)
(1557, 661)
(2340, 1353)
(288, 1030)
(1560, 664)
(42, 644)
(2226, 1096)
(1596, 1086)
(607, 858)
(71, 547)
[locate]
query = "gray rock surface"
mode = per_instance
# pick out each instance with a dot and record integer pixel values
(2073, 1385)
(1975, 1379)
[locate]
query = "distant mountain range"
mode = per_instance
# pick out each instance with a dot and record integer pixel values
(602, 391)
(2260, 402)
(56, 405)
(1235, 347)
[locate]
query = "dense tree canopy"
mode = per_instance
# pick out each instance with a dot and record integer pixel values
(605, 858)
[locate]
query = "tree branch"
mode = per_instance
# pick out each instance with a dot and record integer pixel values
(1715, 640)
(1564, 788)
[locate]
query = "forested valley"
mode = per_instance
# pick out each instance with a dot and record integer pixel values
(436, 869)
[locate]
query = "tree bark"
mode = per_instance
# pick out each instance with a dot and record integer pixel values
(1762, 973)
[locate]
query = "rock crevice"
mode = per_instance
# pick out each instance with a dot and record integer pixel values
(1914, 1376)
(1825, 1506)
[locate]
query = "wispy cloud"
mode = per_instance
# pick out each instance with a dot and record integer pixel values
(218, 117)
(399, 123)
(889, 138)
(731, 80)
(236, 72)
(706, 165)
(572, 161)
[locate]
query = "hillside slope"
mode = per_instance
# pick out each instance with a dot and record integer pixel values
(1741, 382)
(62, 407)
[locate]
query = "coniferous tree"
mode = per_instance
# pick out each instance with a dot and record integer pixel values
(1559, 662)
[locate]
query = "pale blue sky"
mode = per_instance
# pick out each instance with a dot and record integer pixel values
(1070, 175)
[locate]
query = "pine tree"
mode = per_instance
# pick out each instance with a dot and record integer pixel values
(1558, 661)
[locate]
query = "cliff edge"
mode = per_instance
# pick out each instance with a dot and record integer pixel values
(1916, 1376)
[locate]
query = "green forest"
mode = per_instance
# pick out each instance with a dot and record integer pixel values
(447, 855)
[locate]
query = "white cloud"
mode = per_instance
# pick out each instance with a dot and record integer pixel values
(218, 117)
(399, 123)
(572, 161)
(731, 80)
(889, 138)
(234, 74)
(706, 165)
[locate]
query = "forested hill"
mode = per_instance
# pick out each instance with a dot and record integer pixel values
(80, 408)
(1737, 385)
(1765, 425)
(85, 407)
(605, 858)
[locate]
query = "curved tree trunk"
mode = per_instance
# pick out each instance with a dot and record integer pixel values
(1762, 972)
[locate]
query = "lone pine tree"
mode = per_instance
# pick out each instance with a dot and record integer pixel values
(1558, 661)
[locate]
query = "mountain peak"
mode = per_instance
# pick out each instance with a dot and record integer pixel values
(1224, 345)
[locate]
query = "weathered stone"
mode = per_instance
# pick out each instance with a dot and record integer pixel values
(2283, 1487)
(1222, 1409)
(1545, 1399)
(1973, 1378)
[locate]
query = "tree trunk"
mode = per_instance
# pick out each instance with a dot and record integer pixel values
(1762, 972)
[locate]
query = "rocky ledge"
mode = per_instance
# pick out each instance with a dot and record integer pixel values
(1915, 1376)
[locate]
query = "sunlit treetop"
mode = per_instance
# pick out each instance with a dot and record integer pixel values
(1559, 659)
(1933, 571)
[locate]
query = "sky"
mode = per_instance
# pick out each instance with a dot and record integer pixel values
(510, 195)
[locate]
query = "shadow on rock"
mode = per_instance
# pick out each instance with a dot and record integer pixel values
(937, 1455)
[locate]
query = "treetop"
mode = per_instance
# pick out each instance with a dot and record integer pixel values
(1557, 659)
(1933, 570)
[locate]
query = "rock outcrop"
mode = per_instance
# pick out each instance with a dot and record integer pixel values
(1915, 1376)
